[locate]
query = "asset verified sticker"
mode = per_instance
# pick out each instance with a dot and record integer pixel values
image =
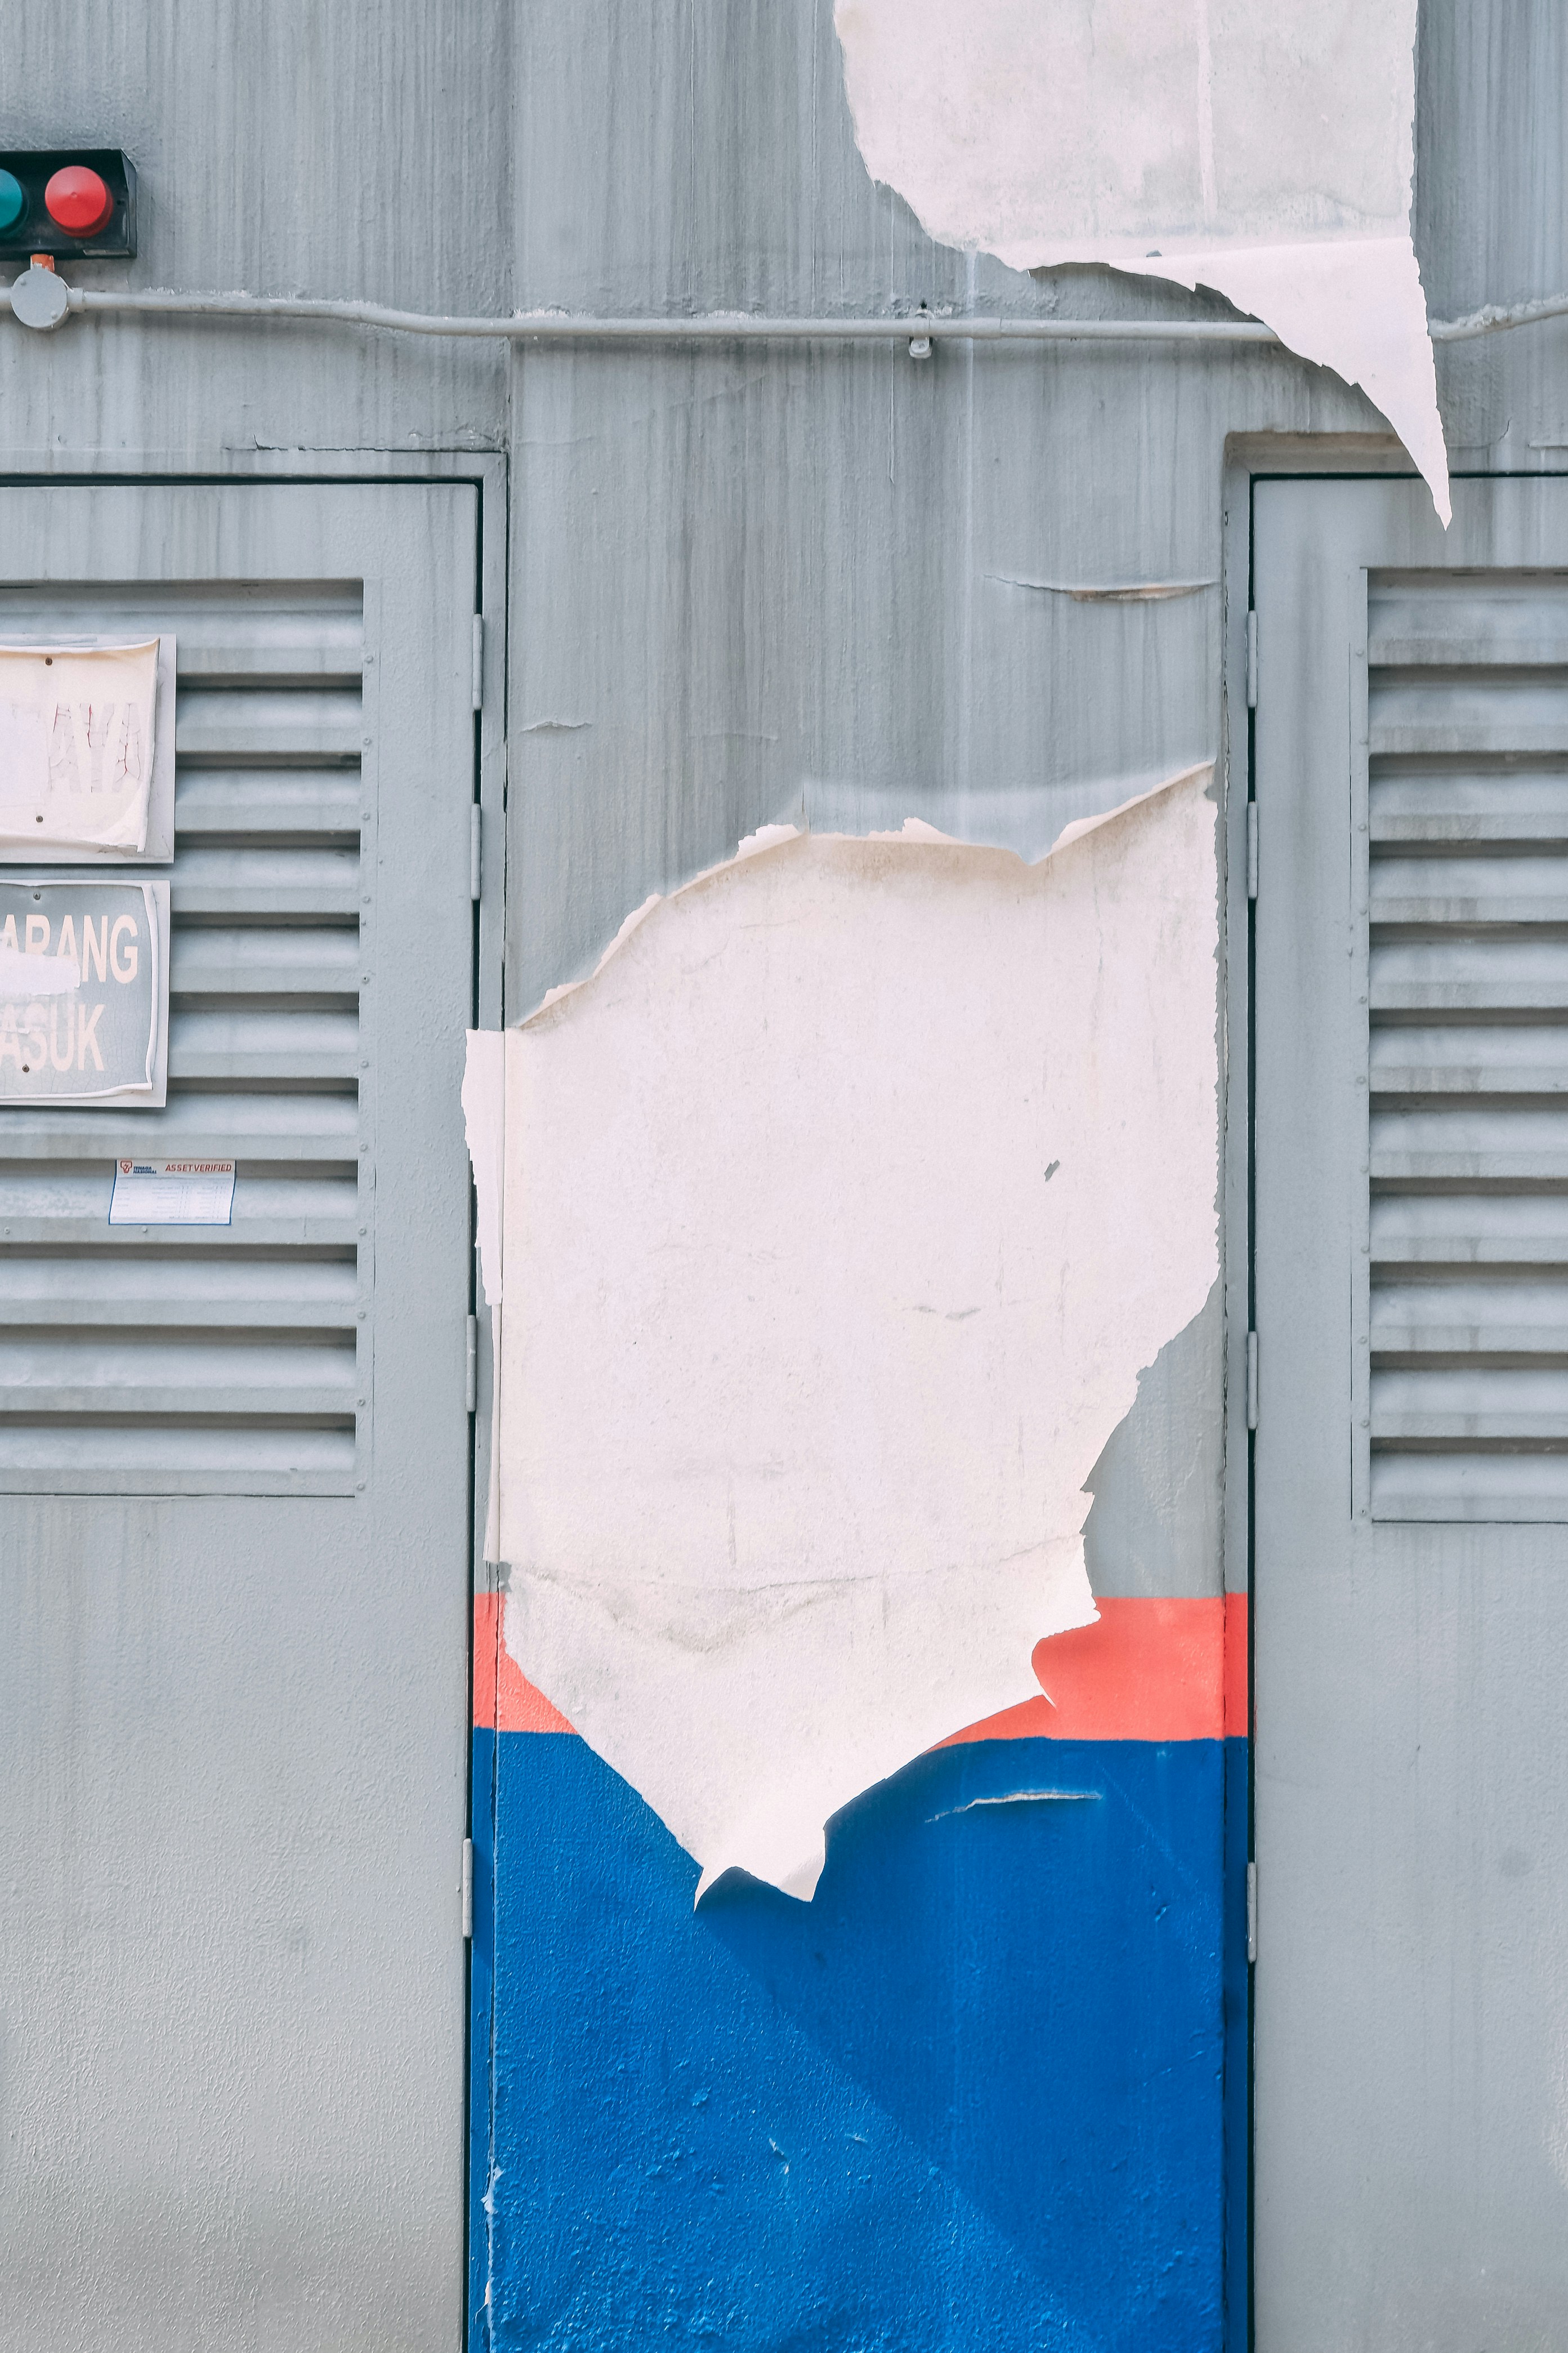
(173, 1193)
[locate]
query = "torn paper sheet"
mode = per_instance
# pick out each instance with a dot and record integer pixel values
(75, 745)
(1265, 148)
(843, 1206)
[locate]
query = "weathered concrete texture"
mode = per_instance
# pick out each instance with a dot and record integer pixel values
(1489, 221)
(739, 576)
(300, 148)
(739, 584)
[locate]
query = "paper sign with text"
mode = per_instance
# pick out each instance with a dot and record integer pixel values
(84, 992)
(75, 745)
(171, 1193)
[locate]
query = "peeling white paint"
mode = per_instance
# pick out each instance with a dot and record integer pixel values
(1019, 818)
(1265, 148)
(843, 1206)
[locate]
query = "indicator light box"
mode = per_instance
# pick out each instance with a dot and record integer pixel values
(67, 201)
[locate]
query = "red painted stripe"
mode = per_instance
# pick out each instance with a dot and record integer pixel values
(1150, 1669)
(504, 1699)
(1237, 1713)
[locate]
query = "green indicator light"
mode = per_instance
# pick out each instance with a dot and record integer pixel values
(12, 201)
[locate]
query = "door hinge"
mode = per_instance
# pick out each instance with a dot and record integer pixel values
(1252, 850)
(479, 661)
(1251, 1912)
(476, 849)
(473, 1363)
(1252, 1380)
(468, 1890)
(1251, 662)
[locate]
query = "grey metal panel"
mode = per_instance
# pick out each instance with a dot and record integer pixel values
(1411, 1847)
(234, 1729)
(89, 1350)
(1468, 787)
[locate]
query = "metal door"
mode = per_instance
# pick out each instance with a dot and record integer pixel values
(1411, 1496)
(234, 1471)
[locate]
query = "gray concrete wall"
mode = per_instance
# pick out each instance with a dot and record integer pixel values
(738, 577)
(300, 148)
(745, 584)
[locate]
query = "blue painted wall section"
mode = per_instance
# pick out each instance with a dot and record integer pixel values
(1237, 2050)
(973, 2096)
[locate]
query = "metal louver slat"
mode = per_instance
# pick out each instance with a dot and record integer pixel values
(1468, 1047)
(207, 1359)
(298, 807)
(261, 727)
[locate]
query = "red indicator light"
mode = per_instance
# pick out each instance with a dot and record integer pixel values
(78, 201)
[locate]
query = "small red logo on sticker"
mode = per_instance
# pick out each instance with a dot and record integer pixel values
(125, 1167)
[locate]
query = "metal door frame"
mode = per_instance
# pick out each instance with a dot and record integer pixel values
(487, 473)
(1251, 458)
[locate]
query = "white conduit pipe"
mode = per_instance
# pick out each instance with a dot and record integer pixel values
(729, 327)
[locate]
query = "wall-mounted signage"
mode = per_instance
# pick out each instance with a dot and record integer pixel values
(84, 994)
(87, 752)
(171, 1193)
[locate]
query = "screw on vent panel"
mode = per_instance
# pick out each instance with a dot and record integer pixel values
(1466, 899)
(216, 1360)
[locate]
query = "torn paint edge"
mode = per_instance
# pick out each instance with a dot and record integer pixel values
(484, 1075)
(915, 832)
(1400, 380)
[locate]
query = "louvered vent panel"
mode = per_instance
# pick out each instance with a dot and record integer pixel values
(1467, 713)
(207, 1359)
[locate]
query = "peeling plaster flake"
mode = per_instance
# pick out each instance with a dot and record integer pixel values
(843, 1206)
(1264, 148)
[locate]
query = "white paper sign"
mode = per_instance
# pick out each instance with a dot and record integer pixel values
(173, 1193)
(75, 745)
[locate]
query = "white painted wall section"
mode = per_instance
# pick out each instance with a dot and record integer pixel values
(1265, 148)
(843, 1206)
